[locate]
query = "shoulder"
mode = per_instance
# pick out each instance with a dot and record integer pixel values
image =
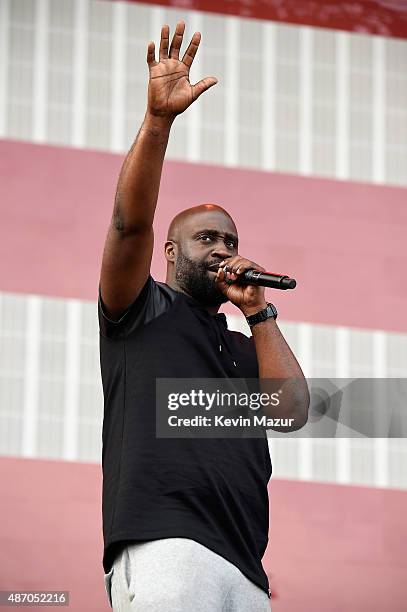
(154, 299)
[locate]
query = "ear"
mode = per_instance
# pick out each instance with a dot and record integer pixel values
(170, 251)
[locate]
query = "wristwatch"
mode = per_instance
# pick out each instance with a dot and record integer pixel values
(262, 315)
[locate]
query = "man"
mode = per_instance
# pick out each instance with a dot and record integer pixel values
(185, 521)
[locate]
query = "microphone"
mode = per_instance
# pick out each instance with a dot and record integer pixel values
(262, 279)
(267, 279)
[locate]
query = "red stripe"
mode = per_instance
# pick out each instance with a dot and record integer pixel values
(384, 17)
(344, 242)
(331, 548)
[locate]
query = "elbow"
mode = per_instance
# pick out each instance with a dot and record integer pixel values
(293, 413)
(300, 409)
(296, 408)
(300, 419)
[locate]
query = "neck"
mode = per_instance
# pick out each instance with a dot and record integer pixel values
(173, 285)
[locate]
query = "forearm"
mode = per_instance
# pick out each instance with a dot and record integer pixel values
(139, 181)
(278, 368)
(276, 361)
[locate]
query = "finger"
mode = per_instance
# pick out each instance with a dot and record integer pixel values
(221, 280)
(192, 49)
(240, 267)
(232, 263)
(220, 276)
(151, 54)
(202, 86)
(177, 40)
(243, 264)
(226, 276)
(165, 37)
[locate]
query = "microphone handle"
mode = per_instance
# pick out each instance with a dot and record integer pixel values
(267, 279)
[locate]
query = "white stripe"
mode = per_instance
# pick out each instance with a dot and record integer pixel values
(343, 450)
(40, 73)
(157, 16)
(343, 462)
(305, 359)
(31, 377)
(379, 109)
(72, 375)
(4, 43)
(305, 348)
(305, 453)
(268, 98)
(342, 352)
(194, 112)
(80, 61)
(118, 80)
(238, 323)
(305, 65)
(342, 105)
(379, 354)
(232, 54)
(381, 451)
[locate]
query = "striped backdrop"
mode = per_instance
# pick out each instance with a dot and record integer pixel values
(303, 140)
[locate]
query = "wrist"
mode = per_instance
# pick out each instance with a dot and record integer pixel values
(248, 311)
(262, 315)
(157, 124)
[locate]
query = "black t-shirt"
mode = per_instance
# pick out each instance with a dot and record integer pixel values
(211, 490)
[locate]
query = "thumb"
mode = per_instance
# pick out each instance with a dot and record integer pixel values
(202, 86)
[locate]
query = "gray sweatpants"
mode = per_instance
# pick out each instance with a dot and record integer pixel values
(179, 575)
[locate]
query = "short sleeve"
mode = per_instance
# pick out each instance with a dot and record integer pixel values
(150, 303)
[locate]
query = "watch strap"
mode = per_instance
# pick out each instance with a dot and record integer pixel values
(262, 315)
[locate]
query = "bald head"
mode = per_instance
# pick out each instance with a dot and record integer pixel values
(199, 238)
(186, 219)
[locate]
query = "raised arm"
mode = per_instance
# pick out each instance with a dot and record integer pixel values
(129, 242)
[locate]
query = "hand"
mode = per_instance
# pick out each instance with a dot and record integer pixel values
(169, 89)
(249, 298)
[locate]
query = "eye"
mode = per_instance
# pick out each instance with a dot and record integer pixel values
(231, 244)
(204, 237)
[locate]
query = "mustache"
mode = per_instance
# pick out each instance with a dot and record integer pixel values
(214, 267)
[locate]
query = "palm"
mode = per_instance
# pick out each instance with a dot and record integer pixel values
(169, 90)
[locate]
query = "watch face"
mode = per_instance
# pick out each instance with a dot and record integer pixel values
(271, 310)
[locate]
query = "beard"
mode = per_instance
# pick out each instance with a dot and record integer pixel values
(193, 278)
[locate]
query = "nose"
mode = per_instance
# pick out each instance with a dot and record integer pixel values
(220, 251)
